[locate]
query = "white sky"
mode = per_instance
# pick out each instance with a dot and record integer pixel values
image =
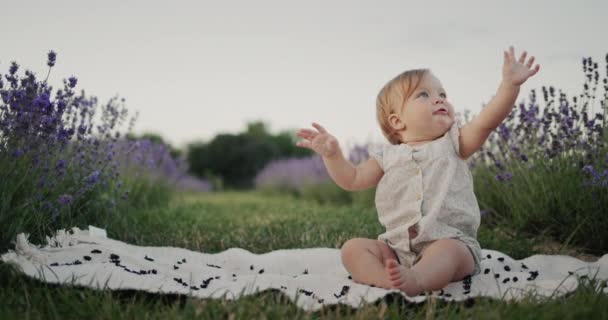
(194, 69)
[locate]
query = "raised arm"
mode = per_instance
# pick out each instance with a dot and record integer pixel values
(344, 173)
(353, 178)
(514, 73)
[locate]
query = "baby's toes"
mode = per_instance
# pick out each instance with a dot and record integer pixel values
(396, 284)
(395, 275)
(391, 266)
(393, 272)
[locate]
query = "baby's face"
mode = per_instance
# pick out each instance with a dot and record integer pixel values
(421, 113)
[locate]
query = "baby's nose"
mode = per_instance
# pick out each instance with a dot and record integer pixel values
(438, 100)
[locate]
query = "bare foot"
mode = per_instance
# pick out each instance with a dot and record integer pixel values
(402, 278)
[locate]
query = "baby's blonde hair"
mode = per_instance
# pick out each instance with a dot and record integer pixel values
(392, 98)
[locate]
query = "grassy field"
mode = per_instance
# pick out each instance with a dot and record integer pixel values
(260, 223)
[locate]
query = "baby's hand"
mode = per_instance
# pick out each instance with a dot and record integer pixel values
(516, 72)
(320, 142)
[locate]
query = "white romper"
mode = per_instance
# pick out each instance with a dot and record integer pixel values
(430, 188)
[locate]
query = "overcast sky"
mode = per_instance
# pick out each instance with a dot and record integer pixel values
(194, 69)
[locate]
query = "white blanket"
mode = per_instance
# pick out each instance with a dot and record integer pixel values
(312, 277)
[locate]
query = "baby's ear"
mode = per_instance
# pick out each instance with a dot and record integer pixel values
(395, 122)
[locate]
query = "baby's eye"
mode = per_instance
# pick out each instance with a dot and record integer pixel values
(443, 95)
(423, 93)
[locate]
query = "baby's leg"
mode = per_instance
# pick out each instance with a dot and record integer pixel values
(364, 259)
(442, 262)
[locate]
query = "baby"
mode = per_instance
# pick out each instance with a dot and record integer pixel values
(424, 194)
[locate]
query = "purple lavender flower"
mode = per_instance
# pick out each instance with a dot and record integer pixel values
(92, 178)
(64, 199)
(72, 81)
(589, 169)
(503, 177)
(82, 129)
(13, 68)
(60, 165)
(17, 153)
(358, 154)
(503, 131)
(51, 58)
(292, 173)
(498, 165)
(42, 102)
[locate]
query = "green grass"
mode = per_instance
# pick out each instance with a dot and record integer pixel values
(550, 199)
(261, 223)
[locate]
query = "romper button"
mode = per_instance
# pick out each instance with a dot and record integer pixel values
(418, 197)
(417, 171)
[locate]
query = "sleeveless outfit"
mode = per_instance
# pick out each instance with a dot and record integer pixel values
(426, 191)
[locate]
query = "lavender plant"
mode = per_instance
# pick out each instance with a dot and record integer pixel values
(145, 163)
(308, 178)
(58, 155)
(544, 168)
(292, 174)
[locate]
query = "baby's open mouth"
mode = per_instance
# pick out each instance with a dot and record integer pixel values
(441, 111)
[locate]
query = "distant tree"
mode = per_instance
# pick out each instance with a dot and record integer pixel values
(257, 128)
(237, 158)
(286, 142)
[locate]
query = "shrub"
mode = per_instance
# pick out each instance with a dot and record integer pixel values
(59, 158)
(233, 160)
(547, 172)
(308, 178)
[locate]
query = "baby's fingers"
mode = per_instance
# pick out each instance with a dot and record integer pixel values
(306, 133)
(507, 58)
(304, 144)
(530, 62)
(535, 70)
(522, 58)
(319, 127)
(511, 53)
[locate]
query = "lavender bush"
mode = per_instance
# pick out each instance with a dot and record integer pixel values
(54, 165)
(307, 178)
(292, 174)
(58, 156)
(145, 163)
(544, 168)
